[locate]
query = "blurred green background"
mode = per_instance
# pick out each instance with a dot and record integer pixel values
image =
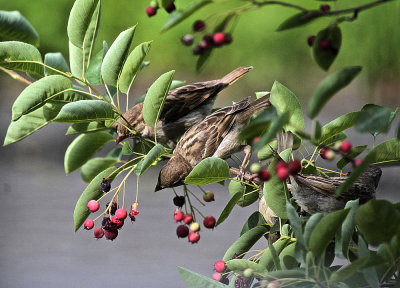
(372, 41)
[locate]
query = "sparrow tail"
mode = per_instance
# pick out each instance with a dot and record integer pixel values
(235, 75)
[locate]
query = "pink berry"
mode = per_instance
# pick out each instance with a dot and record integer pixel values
(118, 222)
(220, 266)
(280, 165)
(121, 214)
(256, 139)
(357, 162)
(219, 38)
(311, 40)
(264, 175)
(182, 231)
(327, 154)
(188, 219)
(208, 196)
(88, 224)
(93, 206)
(345, 147)
(98, 233)
(216, 276)
(111, 234)
(209, 222)
(325, 7)
(194, 237)
(199, 25)
(282, 174)
(151, 11)
(294, 167)
(178, 215)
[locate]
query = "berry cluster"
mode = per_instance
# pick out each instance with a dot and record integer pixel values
(153, 7)
(342, 148)
(221, 274)
(283, 170)
(208, 41)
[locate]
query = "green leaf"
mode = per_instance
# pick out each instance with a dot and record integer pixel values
(275, 190)
(298, 19)
(31, 122)
(325, 56)
(374, 119)
(325, 230)
(387, 152)
(310, 225)
(370, 274)
(245, 242)
(15, 27)
(193, 279)
(153, 155)
(57, 61)
(38, 93)
(285, 100)
(115, 58)
(83, 148)
(330, 86)
(91, 192)
(258, 125)
(276, 126)
(239, 265)
(296, 224)
(254, 220)
(208, 171)
(266, 259)
(202, 59)
(344, 234)
(369, 219)
(86, 127)
(266, 152)
(355, 151)
(249, 194)
(287, 257)
(338, 125)
(94, 166)
(22, 57)
(86, 111)
(228, 208)
(132, 66)
(76, 60)
(155, 98)
(332, 140)
(93, 73)
(179, 15)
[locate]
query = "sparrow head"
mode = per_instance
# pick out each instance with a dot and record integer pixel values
(173, 173)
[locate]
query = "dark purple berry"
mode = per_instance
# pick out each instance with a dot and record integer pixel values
(325, 8)
(113, 208)
(182, 231)
(105, 186)
(228, 39)
(197, 50)
(199, 25)
(311, 40)
(111, 234)
(208, 38)
(179, 201)
(187, 39)
(171, 8)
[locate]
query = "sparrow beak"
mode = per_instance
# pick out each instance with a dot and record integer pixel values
(158, 188)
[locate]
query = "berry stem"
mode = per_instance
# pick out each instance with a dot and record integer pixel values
(196, 197)
(137, 189)
(185, 191)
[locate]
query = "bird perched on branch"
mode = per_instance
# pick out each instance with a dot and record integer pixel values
(215, 136)
(184, 107)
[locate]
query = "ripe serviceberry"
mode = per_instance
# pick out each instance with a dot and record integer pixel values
(113, 207)
(98, 233)
(199, 25)
(281, 165)
(121, 214)
(105, 186)
(264, 175)
(151, 11)
(216, 276)
(208, 38)
(171, 8)
(182, 231)
(197, 50)
(187, 39)
(193, 237)
(93, 206)
(325, 8)
(357, 162)
(311, 40)
(132, 215)
(255, 168)
(194, 227)
(209, 222)
(282, 174)
(179, 201)
(224, 280)
(220, 266)
(111, 234)
(88, 224)
(327, 153)
(294, 167)
(345, 147)
(178, 215)
(208, 196)
(228, 39)
(188, 219)
(325, 44)
(118, 222)
(107, 224)
(219, 38)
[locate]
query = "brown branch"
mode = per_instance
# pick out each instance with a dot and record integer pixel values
(16, 76)
(247, 176)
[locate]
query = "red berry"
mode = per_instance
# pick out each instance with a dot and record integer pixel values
(199, 25)
(264, 175)
(219, 38)
(118, 222)
(182, 231)
(93, 205)
(357, 162)
(282, 174)
(151, 11)
(187, 39)
(345, 147)
(178, 215)
(220, 266)
(194, 237)
(121, 214)
(327, 154)
(294, 167)
(111, 234)
(98, 233)
(171, 8)
(208, 196)
(325, 44)
(281, 165)
(188, 219)
(311, 40)
(132, 215)
(209, 222)
(216, 276)
(88, 224)
(256, 139)
(325, 7)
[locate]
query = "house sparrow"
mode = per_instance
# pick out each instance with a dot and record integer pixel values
(183, 107)
(215, 136)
